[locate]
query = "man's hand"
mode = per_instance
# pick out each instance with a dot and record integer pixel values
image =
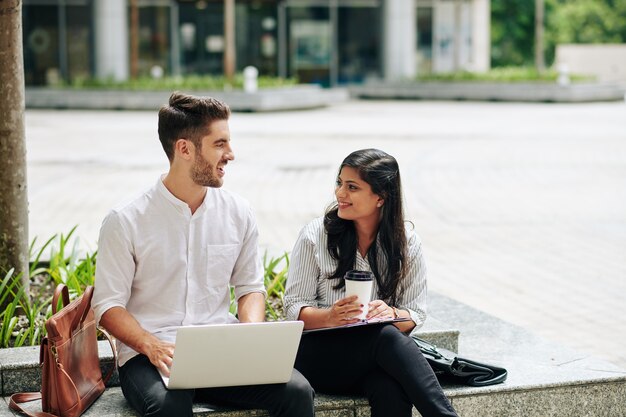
(123, 326)
(160, 354)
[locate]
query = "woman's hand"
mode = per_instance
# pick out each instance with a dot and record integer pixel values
(378, 309)
(344, 311)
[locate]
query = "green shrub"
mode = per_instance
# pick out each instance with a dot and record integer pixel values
(501, 74)
(22, 321)
(188, 83)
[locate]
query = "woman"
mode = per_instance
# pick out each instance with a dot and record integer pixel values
(364, 230)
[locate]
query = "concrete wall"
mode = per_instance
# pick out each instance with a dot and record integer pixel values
(607, 62)
(399, 38)
(481, 36)
(461, 36)
(111, 39)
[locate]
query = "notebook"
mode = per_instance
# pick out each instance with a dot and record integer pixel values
(370, 322)
(223, 355)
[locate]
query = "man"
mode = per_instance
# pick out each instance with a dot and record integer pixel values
(167, 259)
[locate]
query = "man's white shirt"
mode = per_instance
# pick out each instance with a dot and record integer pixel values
(169, 268)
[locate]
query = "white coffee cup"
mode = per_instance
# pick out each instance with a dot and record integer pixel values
(359, 283)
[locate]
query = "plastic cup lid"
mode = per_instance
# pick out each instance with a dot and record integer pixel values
(359, 275)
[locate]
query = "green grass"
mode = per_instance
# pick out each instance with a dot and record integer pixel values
(501, 74)
(188, 83)
(22, 321)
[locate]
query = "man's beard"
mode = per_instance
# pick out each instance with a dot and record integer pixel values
(203, 173)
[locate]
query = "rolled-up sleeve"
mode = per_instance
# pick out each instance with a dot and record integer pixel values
(115, 267)
(413, 298)
(304, 271)
(247, 275)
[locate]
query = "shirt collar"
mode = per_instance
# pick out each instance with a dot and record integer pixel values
(178, 203)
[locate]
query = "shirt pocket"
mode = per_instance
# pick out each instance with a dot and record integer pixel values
(220, 262)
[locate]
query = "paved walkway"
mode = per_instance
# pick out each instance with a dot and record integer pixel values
(521, 207)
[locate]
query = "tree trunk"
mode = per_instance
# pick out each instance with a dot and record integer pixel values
(13, 191)
(134, 39)
(229, 39)
(540, 63)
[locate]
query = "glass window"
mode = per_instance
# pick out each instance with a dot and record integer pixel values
(359, 41)
(154, 39)
(202, 37)
(424, 40)
(78, 42)
(309, 44)
(57, 41)
(257, 37)
(41, 44)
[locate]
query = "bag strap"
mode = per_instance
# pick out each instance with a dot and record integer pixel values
(106, 378)
(60, 291)
(83, 308)
(24, 397)
(490, 374)
(32, 396)
(428, 348)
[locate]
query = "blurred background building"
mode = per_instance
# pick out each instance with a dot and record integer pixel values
(330, 42)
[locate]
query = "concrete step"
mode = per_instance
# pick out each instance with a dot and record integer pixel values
(545, 379)
(113, 404)
(297, 97)
(490, 91)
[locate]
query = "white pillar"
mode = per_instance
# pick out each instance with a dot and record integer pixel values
(443, 37)
(458, 37)
(400, 39)
(111, 39)
(481, 35)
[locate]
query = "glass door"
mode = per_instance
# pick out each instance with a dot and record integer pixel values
(424, 40)
(309, 44)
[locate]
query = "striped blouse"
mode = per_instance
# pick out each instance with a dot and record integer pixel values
(311, 265)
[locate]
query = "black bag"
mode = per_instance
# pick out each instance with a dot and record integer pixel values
(452, 368)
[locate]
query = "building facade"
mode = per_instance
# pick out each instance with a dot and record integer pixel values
(331, 42)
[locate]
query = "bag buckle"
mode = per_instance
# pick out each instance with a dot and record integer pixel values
(53, 350)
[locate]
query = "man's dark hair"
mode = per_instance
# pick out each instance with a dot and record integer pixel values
(188, 117)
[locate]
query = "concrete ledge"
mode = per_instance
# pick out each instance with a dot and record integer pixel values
(21, 372)
(586, 399)
(484, 91)
(287, 98)
(113, 404)
(545, 379)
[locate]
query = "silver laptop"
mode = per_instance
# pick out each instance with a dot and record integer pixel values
(224, 355)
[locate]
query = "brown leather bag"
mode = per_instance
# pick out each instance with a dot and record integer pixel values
(71, 379)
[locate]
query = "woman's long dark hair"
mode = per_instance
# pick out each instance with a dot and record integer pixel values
(381, 172)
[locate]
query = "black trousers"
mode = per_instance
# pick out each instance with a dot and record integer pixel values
(379, 362)
(144, 390)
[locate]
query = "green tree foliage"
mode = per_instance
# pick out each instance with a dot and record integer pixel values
(586, 21)
(567, 21)
(512, 31)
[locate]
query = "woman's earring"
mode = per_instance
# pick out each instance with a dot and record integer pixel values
(379, 205)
